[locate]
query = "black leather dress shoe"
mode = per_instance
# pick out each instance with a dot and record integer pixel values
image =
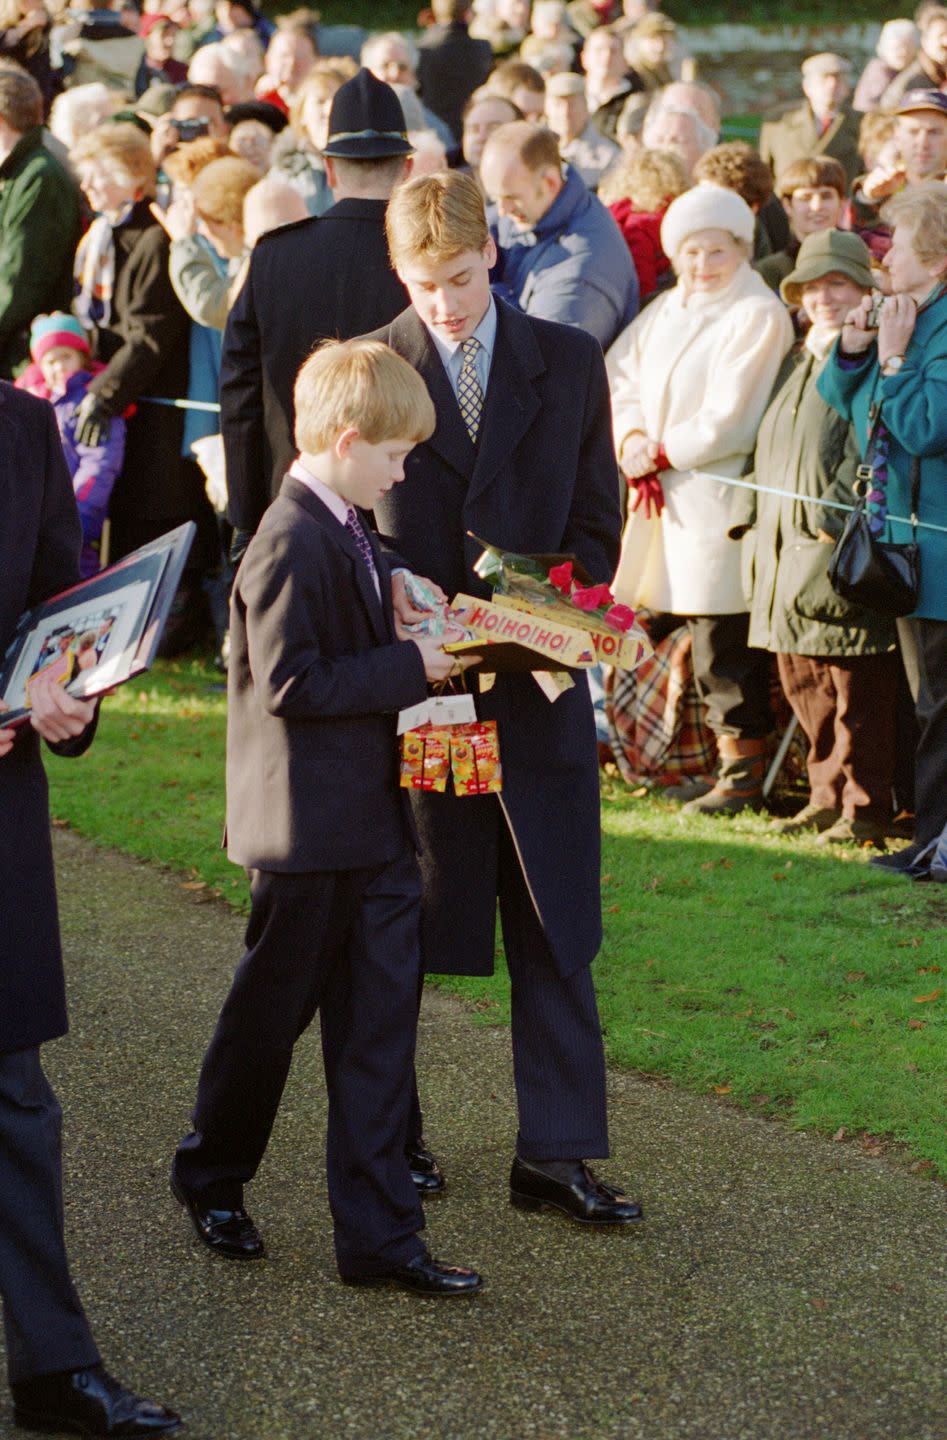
(902, 862)
(227, 1232)
(425, 1172)
(87, 1402)
(424, 1276)
(570, 1186)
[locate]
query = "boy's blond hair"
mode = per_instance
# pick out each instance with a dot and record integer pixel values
(363, 385)
(436, 217)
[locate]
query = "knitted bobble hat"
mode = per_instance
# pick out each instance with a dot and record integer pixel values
(49, 332)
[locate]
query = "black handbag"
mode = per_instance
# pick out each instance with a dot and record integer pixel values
(876, 573)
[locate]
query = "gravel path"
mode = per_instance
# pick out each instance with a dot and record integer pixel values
(783, 1288)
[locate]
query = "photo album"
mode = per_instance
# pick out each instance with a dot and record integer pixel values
(99, 633)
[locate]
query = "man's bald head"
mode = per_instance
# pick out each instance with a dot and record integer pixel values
(521, 171)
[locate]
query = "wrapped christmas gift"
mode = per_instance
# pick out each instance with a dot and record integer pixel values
(545, 614)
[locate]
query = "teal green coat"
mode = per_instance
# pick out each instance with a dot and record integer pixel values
(914, 410)
(39, 231)
(805, 447)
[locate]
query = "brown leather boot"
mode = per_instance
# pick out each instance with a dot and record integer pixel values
(739, 784)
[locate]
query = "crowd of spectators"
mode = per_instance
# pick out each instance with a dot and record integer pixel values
(145, 152)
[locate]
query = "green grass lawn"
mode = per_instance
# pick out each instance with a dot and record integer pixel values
(787, 980)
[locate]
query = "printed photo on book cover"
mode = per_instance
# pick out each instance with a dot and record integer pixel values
(84, 647)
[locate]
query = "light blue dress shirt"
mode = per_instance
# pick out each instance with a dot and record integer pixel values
(452, 355)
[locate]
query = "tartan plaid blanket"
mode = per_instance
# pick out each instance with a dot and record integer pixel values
(656, 727)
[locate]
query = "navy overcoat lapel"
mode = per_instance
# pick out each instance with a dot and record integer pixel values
(377, 612)
(511, 403)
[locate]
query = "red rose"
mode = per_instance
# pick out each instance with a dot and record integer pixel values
(560, 576)
(620, 617)
(596, 597)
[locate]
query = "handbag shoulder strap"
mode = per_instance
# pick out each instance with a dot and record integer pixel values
(874, 414)
(915, 466)
(915, 492)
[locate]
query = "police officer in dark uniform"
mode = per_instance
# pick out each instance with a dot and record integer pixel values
(323, 278)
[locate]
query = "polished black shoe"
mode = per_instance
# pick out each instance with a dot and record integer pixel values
(227, 1232)
(425, 1172)
(87, 1402)
(424, 1276)
(902, 862)
(570, 1186)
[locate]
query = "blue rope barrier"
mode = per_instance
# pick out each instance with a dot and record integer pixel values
(213, 408)
(813, 500)
(209, 405)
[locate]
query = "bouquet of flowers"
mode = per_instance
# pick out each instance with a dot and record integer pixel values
(556, 584)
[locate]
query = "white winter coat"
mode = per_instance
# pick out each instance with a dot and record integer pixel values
(695, 374)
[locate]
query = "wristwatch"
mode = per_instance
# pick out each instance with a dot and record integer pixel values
(892, 365)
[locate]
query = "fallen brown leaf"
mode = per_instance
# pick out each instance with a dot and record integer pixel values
(723, 1089)
(855, 974)
(928, 969)
(916, 1024)
(818, 1304)
(840, 1133)
(193, 885)
(926, 999)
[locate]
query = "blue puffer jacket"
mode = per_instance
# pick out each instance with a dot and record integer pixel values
(573, 267)
(914, 412)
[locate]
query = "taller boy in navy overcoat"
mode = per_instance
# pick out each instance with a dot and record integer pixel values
(540, 476)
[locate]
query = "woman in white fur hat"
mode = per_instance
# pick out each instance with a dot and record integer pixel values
(690, 378)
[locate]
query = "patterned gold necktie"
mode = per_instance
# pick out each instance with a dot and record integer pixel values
(469, 393)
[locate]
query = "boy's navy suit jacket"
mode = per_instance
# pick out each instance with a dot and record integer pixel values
(315, 682)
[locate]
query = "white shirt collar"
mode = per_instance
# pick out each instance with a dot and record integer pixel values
(333, 502)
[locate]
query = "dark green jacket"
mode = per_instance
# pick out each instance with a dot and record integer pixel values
(805, 447)
(39, 231)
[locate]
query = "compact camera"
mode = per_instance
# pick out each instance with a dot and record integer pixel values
(874, 314)
(192, 129)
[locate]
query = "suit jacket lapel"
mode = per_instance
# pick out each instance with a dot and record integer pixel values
(341, 537)
(807, 127)
(825, 140)
(511, 403)
(450, 439)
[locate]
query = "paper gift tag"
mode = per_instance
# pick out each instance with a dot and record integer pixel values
(452, 710)
(414, 717)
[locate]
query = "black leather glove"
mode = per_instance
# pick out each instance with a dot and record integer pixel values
(239, 541)
(92, 422)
